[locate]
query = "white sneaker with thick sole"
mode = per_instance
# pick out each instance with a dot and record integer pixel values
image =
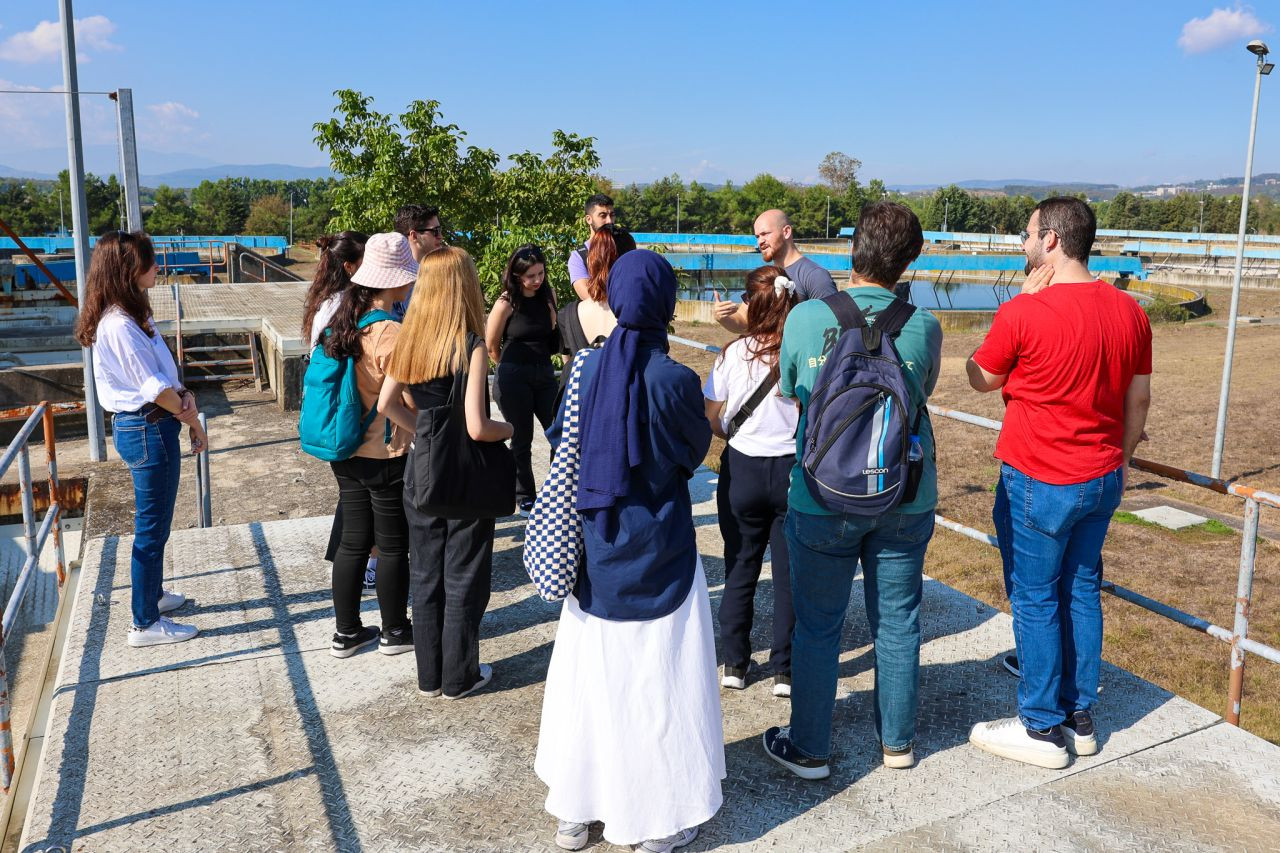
(1009, 738)
(170, 601)
(161, 632)
(486, 675)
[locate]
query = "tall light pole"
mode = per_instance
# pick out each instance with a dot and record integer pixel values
(1259, 50)
(946, 213)
(1201, 231)
(679, 196)
(828, 217)
(291, 218)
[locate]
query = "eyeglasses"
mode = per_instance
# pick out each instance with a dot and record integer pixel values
(1026, 235)
(437, 230)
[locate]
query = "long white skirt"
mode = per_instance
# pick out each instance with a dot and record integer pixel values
(631, 731)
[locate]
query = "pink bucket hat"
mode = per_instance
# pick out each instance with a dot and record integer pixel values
(387, 263)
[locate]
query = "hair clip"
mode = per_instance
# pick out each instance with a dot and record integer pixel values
(782, 283)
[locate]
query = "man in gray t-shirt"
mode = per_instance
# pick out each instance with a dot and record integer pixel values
(773, 236)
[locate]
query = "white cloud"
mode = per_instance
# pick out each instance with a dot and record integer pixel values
(168, 124)
(38, 120)
(1221, 28)
(44, 42)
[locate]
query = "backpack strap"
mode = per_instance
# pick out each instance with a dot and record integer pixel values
(753, 402)
(889, 321)
(375, 316)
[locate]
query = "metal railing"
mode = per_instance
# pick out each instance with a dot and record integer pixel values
(1254, 499)
(34, 540)
(1238, 636)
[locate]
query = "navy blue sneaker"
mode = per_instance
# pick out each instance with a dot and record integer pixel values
(1078, 732)
(778, 746)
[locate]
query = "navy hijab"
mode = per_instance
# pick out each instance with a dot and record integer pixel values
(642, 296)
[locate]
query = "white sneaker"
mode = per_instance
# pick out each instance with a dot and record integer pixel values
(671, 842)
(163, 630)
(734, 678)
(572, 836)
(486, 675)
(1009, 738)
(170, 601)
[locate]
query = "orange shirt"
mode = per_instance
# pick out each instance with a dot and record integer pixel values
(378, 343)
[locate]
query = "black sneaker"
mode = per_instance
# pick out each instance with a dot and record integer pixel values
(344, 646)
(1077, 730)
(1010, 662)
(778, 746)
(397, 641)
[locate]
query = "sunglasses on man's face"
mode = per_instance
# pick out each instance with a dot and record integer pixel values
(437, 230)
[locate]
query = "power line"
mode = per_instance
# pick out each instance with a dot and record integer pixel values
(49, 92)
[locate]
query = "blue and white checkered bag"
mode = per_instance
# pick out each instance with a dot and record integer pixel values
(553, 536)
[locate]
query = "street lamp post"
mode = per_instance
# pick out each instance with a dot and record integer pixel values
(679, 196)
(290, 218)
(1201, 231)
(1258, 49)
(828, 217)
(946, 213)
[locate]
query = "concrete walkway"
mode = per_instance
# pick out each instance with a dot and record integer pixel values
(253, 737)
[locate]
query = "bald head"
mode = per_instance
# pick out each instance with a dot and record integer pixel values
(773, 236)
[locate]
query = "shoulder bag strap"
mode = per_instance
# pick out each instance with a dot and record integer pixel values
(753, 402)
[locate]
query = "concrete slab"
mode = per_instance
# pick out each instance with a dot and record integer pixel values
(1170, 517)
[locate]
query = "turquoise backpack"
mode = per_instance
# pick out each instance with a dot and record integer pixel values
(333, 423)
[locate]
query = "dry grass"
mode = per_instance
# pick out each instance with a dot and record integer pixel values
(1193, 570)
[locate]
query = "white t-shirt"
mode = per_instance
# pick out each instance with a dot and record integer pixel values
(323, 317)
(771, 429)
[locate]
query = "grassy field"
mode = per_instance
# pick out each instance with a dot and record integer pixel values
(1194, 569)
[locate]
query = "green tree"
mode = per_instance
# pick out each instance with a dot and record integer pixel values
(221, 206)
(387, 162)
(268, 215)
(170, 213)
(839, 171)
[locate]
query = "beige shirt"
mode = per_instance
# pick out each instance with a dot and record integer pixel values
(378, 343)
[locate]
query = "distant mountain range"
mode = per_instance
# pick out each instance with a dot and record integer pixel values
(157, 167)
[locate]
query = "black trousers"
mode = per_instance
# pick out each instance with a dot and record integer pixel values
(450, 565)
(370, 496)
(523, 392)
(752, 501)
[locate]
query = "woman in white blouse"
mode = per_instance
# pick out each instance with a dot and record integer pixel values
(755, 471)
(138, 381)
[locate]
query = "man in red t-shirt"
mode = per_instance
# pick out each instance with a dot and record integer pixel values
(1072, 357)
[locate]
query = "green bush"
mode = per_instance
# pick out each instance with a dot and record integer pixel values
(1161, 310)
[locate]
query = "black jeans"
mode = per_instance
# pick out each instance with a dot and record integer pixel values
(523, 392)
(450, 564)
(370, 494)
(752, 502)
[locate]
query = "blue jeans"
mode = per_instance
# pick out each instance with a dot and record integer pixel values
(1051, 543)
(155, 460)
(825, 552)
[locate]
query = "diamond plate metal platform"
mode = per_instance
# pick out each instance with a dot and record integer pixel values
(253, 737)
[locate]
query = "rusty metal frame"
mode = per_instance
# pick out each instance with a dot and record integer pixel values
(35, 539)
(62, 288)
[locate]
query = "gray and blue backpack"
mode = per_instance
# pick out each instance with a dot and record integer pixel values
(862, 453)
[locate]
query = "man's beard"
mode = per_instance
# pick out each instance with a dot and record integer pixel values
(767, 254)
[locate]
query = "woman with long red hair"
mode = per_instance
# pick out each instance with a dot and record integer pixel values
(744, 408)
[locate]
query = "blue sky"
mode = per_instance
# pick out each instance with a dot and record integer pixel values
(1123, 92)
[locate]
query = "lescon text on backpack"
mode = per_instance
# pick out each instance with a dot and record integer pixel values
(862, 452)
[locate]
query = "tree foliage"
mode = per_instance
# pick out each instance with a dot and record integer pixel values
(387, 162)
(839, 171)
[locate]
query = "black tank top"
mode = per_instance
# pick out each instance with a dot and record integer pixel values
(529, 332)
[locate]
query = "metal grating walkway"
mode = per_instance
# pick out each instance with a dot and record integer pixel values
(253, 738)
